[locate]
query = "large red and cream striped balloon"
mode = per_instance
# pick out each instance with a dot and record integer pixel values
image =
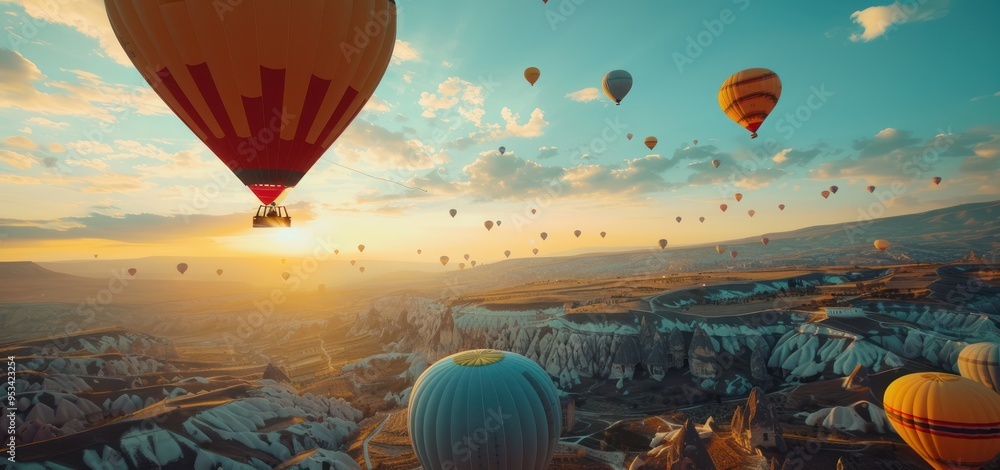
(267, 85)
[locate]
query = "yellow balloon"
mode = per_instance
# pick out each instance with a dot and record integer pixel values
(531, 74)
(651, 142)
(950, 421)
(881, 244)
(748, 96)
(981, 362)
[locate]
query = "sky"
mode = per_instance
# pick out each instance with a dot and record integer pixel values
(884, 94)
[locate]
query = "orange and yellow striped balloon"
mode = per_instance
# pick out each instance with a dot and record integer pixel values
(951, 421)
(748, 97)
(266, 85)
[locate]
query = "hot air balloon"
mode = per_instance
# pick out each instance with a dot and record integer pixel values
(781, 207)
(720, 249)
(419, 251)
(739, 197)
(509, 408)
(950, 421)
(488, 224)
(651, 142)
(218, 272)
(695, 141)
(834, 189)
(678, 219)
(466, 257)
(283, 260)
(716, 163)
(268, 111)
(336, 252)
(533, 211)
(701, 219)
(733, 254)
(473, 263)
(531, 74)
(461, 265)
(765, 241)
(723, 207)
(506, 253)
(534, 251)
(604, 234)
(453, 213)
(544, 236)
(748, 96)
(616, 85)
(881, 244)
(361, 248)
(498, 223)
(662, 243)
(751, 212)
(981, 362)
(182, 268)
(871, 189)
(444, 260)
(502, 150)
(285, 276)
(95, 256)
(937, 180)
(362, 269)
(628, 136)
(132, 271)
(577, 233)
(825, 194)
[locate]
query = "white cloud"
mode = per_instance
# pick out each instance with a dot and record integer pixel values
(408, 77)
(404, 52)
(378, 147)
(446, 64)
(376, 105)
(47, 123)
(20, 142)
(92, 163)
(450, 93)
(532, 128)
(876, 21)
(21, 161)
(86, 16)
(90, 147)
(983, 97)
(26, 130)
(56, 148)
(781, 156)
(584, 95)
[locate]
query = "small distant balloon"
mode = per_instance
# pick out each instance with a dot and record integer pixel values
(720, 249)
(751, 212)
(473, 263)
(336, 252)
(533, 211)
(531, 74)
(678, 219)
(617, 84)
(502, 150)
(577, 233)
(937, 180)
(362, 269)
(629, 136)
(132, 271)
(871, 189)
(695, 141)
(534, 251)
(95, 256)
(488, 224)
(285, 275)
(467, 257)
(444, 261)
(544, 236)
(283, 260)
(825, 194)
(701, 219)
(834, 189)
(651, 142)
(353, 261)
(498, 223)
(419, 251)
(739, 197)
(882, 245)
(361, 248)
(723, 207)
(765, 241)
(604, 234)
(453, 213)
(461, 265)
(662, 243)
(218, 272)
(182, 267)
(506, 253)
(781, 207)
(716, 163)
(733, 254)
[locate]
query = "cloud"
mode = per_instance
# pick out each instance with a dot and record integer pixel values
(546, 152)
(56, 148)
(376, 146)
(450, 93)
(404, 52)
(92, 163)
(90, 147)
(130, 228)
(377, 105)
(21, 161)
(88, 17)
(511, 128)
(795, 157)
(983, 97)
(47, 123)
(89, 97)
(20, 142)
(876, 21)
(446, 64)
(26, 130)
(584, 95)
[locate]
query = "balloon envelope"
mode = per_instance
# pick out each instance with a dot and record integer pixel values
(362, 269)
(723, 207)
(182, 267)
(461, 265)
(720, 249)
(739, 197)
(733, 254)
(937, 180)
(271, 109)
(577, 233)
(751, 212)
(534, 251)
(781, 207)
(834, 189)
(132, 271)
(765, 241)
(871, 189)
(531, 74)
(825, 194)
(950, 421)
(701, 219)
(285, 276)
(544, 236)
(420, 251)
(473, 391)
(881, 244)
(604, 234)
(218, 272)
(981, 362)
(506, 253)
(453, 213)
(488, 224)
(628, 136)
(662, 243)
(748, 97)
(651, 142)
(353, 262)
(466, 257)
(361, 248)
(678, 219)
(716, 163)
(444, 260)
(616, 84)
(502, 150)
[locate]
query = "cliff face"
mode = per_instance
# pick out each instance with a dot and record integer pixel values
(687, 451)
(756, 425)
(701, 356)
